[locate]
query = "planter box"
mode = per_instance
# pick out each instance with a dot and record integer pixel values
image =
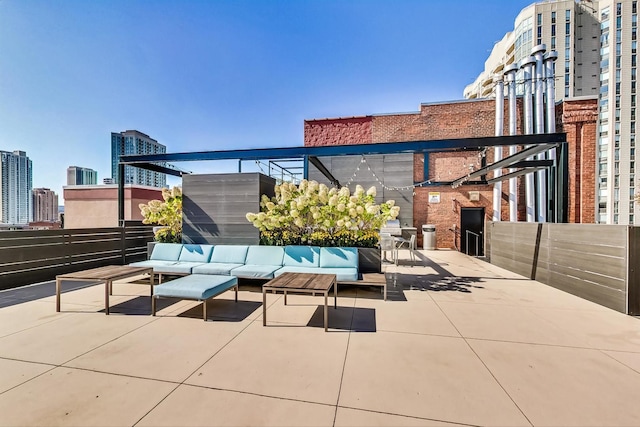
(369, 260)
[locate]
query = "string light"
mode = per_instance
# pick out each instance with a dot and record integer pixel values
(380, 182)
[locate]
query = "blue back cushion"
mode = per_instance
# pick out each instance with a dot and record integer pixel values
(196, 253)
(339, 257)
(166, 251)
(302, 256)
(265, 255)
(229, 254)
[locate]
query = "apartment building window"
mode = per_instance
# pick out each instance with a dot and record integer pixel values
(553, 17)
(553, 43)
(634, 7)
(539, 29)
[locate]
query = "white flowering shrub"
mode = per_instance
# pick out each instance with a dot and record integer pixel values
(167, 213)
(313, 214)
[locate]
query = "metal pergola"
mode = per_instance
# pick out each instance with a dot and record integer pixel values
(535, 144)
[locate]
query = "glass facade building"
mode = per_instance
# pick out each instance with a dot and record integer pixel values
(77, 175)
(134, 142)
(16, 183)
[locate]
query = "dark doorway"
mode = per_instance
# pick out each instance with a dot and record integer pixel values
(472, 231)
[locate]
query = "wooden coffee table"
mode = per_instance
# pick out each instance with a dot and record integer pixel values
(309, 283)
(105, 274)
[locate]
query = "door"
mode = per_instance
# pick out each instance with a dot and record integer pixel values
(472, 220)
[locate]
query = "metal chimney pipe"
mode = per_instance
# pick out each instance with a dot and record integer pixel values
(541, 184)
(527, 66)
(497, 187)
(549, 60)
(510, 74)
(538, 53)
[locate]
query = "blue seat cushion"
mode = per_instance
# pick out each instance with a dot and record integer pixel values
(255, 271)
(231, 254)
(166, 251)
(177, 267)
(301, 256)
(339, 257)
(265, 255)
(219, 268)
(342, 274)
(153, 263)
(195, 286)
(195, 253)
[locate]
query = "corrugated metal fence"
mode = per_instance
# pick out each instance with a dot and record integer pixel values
(600, 263)
(36, 256)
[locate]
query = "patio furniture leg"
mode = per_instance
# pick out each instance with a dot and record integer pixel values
(335, 295)
(285, 297)
(153, 305)
(107, 287)
(236, 293)
(151, 284)
(204, 310)
(58, 295)
(326, 311)
(264, 307)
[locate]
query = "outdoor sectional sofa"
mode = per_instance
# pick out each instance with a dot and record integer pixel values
(251, 261)
(209, 270)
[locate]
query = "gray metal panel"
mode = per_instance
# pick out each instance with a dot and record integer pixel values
(394, 170)
(633, 269)
(586, 260)
(215, 205)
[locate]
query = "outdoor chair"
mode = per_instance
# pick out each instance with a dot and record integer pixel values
(410, 245)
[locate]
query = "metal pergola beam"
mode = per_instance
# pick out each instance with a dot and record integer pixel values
(349, 150)
(162, 169)
(321, 167)
(515, 174)
(506, 162)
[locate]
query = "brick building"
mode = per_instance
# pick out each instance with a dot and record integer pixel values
(464, 119)
(96, 206)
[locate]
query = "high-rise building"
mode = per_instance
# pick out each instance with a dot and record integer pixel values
(77, 175)
(45, 205)
(596, 42)
(16, 182)
(134, 142)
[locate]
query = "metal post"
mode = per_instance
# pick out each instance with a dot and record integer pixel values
(120, 195)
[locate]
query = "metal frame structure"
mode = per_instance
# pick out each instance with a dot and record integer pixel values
(535, 143)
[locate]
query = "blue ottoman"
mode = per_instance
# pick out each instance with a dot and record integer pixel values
(199, 287)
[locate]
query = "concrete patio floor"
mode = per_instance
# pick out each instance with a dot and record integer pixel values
(459, 342)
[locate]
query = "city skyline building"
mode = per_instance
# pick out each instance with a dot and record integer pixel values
(596, 43)
(16, 183)
(77, 175)
(135, 142)
(45, 205)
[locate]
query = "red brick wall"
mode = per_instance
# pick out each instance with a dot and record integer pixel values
(579, 122)
(463, 119)
(342, 131)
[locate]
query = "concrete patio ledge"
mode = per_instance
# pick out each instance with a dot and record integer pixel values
(459, 342)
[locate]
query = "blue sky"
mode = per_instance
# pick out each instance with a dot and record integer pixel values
(217, 75)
